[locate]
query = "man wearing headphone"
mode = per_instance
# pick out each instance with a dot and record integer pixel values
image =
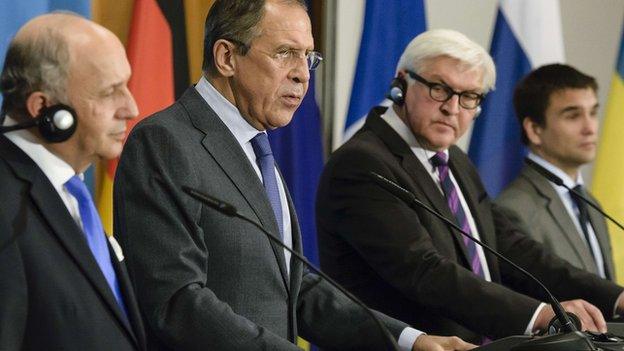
(409, 264)
(63, 283)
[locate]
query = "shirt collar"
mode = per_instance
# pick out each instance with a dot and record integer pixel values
(56, 169)
(227, 112)
(569, 182)
(397, 124)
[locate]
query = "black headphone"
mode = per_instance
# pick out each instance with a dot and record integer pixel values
(56, 123)
(398, 87)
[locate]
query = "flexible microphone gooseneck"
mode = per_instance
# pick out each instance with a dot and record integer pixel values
(558, 181)
(231, 211)
(409, 198)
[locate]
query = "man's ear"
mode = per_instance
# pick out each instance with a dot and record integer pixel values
(223, 53)
(35, 102)
(532, 130)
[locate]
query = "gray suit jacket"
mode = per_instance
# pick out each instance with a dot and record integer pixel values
(210, 282)
(532, 203)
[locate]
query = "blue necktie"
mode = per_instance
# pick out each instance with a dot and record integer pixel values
(266, 162)
(94, 233)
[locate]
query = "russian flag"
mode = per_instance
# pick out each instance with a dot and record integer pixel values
(527, 35)
(388, 27)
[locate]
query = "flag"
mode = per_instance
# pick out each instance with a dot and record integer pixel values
(609, 169)
(298, 151)
(527, 34)
(388, 27)
(158, 54)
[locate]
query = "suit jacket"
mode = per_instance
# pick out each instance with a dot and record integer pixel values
(410, 265)
(532, 204)
(207, 281)
(53, 294)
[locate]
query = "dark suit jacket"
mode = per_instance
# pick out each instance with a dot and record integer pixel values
(410, 265)
(532, 203)
(210, 282)
(53, 294)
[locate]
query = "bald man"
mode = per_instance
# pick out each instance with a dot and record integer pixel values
(63, 283)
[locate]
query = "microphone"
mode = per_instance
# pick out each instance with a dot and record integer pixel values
(558, 181)
(231, 211)
(409, 198)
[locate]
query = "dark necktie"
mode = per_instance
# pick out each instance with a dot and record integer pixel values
(266, 162)
(94, 233)
(584, 219)
(452, 199)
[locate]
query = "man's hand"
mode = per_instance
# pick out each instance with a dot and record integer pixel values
(590, 316)
(441, 343)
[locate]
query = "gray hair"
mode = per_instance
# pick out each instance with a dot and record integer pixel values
(237, 21)
(445, 42)
(38, 63)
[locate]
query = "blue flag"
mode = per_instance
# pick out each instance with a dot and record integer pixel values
(298, 151)
(388, 27)
(527, 35)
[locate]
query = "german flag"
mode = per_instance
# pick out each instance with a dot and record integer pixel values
(163, 62)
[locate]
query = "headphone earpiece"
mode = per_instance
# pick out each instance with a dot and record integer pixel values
(396, 94)
(478, 112)
(56, 123)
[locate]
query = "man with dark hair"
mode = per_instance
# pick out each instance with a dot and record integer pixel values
(210, 282)
(63, 283)
(557, 108)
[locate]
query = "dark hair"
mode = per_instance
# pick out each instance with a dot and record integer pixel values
(532, 94)
(40, 63)
(234, 20)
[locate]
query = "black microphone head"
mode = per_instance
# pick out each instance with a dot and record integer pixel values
(215, 203)
(392, 187)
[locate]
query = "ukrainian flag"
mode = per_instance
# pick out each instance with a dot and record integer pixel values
(607, 183)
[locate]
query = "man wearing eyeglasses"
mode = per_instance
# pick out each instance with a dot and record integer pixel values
(210, 282)
(407, 263)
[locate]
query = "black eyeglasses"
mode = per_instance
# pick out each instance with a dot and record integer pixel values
(443, 93)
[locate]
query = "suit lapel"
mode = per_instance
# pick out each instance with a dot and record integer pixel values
(602, 234)
(560, 215)
(414, 168)
(127, 291)
(226, 151)
(71, 237)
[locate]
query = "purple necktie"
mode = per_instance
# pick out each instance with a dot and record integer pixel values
(266, 162)
(452, 199)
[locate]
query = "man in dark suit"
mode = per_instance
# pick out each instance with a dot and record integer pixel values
(63, 284)
(206, 281)
(557, 108)
(406, 262)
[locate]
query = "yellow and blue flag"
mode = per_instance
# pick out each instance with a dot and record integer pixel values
(607, 183)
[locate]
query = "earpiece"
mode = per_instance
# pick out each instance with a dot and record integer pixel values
(398, 87)
(56, 123)
(477, 112)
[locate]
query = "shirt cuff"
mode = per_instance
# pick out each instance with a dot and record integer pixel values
(529, 329)
(408, 338)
